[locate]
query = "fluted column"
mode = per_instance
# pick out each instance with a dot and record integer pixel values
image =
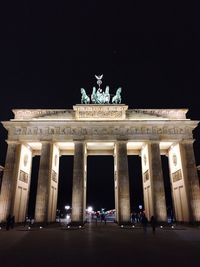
(153, 184)
(9, 180)
(79, 184)
(54, 180)
(44, 179)
(122, 193)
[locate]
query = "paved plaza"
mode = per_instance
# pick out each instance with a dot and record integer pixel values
(101, 245)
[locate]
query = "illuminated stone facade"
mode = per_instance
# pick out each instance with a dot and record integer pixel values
(100, 130)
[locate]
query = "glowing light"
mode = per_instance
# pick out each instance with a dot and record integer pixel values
(90, 209)
(40, 227)
(172, 227)
(29, 228)
(133, 226)
(122, 226)
(161, 226)
(67, 217)
(80, 226)
(68, 226)
(67, 207)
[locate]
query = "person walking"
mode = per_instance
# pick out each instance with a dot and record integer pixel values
(8, 222)
(12, 222)
(153, 224)
(144, 222)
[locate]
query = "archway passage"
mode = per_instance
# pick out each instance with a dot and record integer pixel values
(168, 189)
(100, 182)
(136, 186)
(33, 187)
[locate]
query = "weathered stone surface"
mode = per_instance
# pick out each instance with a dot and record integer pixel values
(156, 175)
(123, 193)
(9, 181)
(192, 181)
(42, 199)
(78, 192)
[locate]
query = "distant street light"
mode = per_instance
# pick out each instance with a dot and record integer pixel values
(90, 209)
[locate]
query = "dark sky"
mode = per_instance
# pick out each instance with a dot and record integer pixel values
(49, 50)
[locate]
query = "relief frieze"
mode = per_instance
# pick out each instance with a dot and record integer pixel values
(119, 130)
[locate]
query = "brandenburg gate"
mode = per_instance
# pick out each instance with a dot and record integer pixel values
(100, 129)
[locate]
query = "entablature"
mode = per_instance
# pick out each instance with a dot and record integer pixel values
(141, 130)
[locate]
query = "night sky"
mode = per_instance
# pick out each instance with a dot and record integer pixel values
(49, 50)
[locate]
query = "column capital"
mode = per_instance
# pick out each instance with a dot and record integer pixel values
(122, 141)
(187, 141)
(81, 140)
(153, 142)
(46, 142)
(10, 142)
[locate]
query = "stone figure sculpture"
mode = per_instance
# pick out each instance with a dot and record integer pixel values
(84, 97)
(107, 95)
(100, 97)
(117, 98)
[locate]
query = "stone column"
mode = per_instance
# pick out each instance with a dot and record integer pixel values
(79, 184)
(153, 185)
(53, 187)
(116, 187)
(9, 180)
(122, 193)
(44, 181)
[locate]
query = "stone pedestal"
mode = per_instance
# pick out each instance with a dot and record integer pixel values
(9, 181)
(122, 194)
(79, 184)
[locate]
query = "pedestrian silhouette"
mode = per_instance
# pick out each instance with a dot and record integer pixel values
(12, 222)
(153, 224)
(8, 222)
(144, 222)
(103, 218)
